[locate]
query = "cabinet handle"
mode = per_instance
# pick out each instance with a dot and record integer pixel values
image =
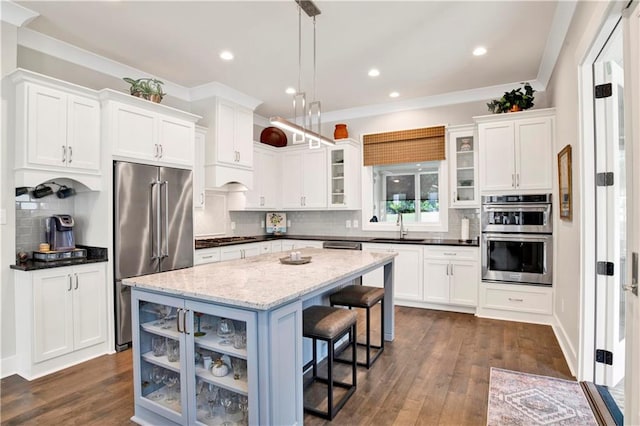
(513, 299)
(447, 270)
(513, 180)
(76, 281)
(64, 154)
(202, 199)
(184, 321)
(161, 151)
(517, 180)
(207, 257)
(450, 254)
(70, 282)
(70, 155)
(155, 150)
(178, 320)
(454, 196)
(451, 265)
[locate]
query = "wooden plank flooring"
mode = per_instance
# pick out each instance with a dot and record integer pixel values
(435, 372)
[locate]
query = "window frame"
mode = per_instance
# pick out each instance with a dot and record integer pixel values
(367, 204)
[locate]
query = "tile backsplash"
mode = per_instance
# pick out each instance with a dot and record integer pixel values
(30, 217)
(333, 223)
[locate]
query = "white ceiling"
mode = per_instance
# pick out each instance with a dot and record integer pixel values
(422, 48)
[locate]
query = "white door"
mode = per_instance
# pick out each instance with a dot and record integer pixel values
(134, 132)
(176, 140)
(497, 156)
(407, 272)
(292, 171)
(464, 283)
(46, 126)
(533, 151)
(631, 25)
(225, 133)
(53, 313)
(611, 216)
(244, 136)
(314, 175)
(83, 133)
(436, 280)
(89, 306)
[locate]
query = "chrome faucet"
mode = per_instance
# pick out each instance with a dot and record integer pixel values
(400, 222)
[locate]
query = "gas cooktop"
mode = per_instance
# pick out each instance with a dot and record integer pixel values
(216, 242)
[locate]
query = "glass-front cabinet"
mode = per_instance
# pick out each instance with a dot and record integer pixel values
(463, 165)
(344, 175)
(191, 363)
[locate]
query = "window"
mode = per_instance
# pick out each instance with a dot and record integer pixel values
(415, 190)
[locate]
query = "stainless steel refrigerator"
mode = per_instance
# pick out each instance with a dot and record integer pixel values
(153, 229)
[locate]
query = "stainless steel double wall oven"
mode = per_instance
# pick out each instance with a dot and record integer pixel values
(517, 240)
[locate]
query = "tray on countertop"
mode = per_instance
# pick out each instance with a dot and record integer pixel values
(288, 261)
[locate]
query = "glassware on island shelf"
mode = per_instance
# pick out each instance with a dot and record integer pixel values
(227, 400)
(173, 350)
(158, 345)
(171, 380)
(198, 318)
(212, 399)
(157, 376)
(243, 405)
(226, 330)
(239, 368)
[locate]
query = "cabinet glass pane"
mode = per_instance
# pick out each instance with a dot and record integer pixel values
(160, 355)
(337, 176)
(465, 182)
(221, 370)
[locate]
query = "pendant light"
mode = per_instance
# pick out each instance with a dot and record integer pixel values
(305, 130)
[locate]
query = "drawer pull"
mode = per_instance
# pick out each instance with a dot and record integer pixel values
(207, 257)
(450, 254)
(513, 299)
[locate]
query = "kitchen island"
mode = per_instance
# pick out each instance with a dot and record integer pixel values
(264, 300)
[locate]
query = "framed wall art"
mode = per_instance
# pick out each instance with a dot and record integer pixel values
(564, 183)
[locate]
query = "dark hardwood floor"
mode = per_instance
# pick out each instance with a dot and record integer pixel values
(435, 372)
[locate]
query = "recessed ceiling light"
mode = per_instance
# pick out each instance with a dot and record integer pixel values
(394, 94)
(374, 72)
(396, 181)
(226, 55)
(290, 91)
(479, 51)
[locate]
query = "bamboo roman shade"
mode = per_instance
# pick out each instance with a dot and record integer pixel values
(404, 146)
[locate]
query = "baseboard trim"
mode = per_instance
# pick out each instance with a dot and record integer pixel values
(567, 348)
(435, 306)
(8, 366)
(598, 406)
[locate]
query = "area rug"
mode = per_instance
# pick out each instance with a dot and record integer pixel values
(527, 399)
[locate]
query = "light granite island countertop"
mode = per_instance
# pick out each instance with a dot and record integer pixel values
(262, 296)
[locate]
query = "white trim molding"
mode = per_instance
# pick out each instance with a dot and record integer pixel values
(569, 352)
(558, 32)
(15, 14)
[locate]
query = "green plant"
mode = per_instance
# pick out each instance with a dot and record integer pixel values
(514, 100)
(147, 88)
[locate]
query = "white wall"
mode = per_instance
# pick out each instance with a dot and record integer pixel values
(563, 93)
(7, 197)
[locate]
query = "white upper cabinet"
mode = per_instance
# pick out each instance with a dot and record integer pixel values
(516, 151)
(304, 178)
(57, 128)
(463, 166)
(198, 168)
(143, 131)
(229, 149)
(344, 175)
(265, 193)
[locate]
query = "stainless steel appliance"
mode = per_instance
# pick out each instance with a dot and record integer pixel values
(517, 240)
(153, 229)
(59, 229)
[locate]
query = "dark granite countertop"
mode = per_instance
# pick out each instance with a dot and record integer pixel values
(202, 244)
(94, 255)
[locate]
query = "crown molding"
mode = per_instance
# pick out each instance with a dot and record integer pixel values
(214, 88)
(15, 14)
(559, 28)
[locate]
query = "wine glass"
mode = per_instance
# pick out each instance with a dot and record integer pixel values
(170, 381)
(226, 400)
(243, 404)
(226, 330)
(168, 311)
(163, 311)
(212, 399)
(157, 376)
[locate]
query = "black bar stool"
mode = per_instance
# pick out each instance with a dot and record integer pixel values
(330, 325)
(361, 296)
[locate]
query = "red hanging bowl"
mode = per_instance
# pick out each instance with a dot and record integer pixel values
(274, 137)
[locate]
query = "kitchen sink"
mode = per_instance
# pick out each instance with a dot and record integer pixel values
(397, 240)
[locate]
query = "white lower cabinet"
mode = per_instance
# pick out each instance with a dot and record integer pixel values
(243, 251)
(407, 271)
(288, 245)
(451, 275)
(516, 302)
(204, 256)
(172, 340)
(61, 317)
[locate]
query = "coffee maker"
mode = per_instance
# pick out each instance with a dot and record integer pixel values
(59, 230)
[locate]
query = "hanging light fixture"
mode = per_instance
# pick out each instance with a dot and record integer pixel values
(305, 130)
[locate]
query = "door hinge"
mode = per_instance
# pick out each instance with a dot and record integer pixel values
(604, 179)
(604, 268)
(604, 90)
(604, 357)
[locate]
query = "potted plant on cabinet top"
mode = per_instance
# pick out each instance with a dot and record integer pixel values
(147, 88)
(514, 100)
